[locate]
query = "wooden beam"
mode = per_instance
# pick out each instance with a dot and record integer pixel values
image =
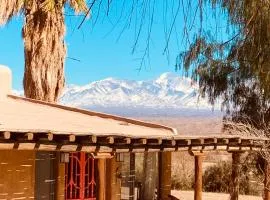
(143, 141)
(210, 141)
(72, 138)
(30, 136)
(45, 147)
(159, 141)
(199, 141)
(225, 141)
(154, 141)
(188, 142)
(169, 143)
(23, 137)
(127, 140)
(110, 140)
(6, 135)
(50, 136)
(102, 155)
(67, 147)
(93, 139)
(239, 141)
(104, 149)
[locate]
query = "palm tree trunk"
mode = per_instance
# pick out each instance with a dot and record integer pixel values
(45, 51)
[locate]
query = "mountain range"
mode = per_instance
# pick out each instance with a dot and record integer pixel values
(169, 94)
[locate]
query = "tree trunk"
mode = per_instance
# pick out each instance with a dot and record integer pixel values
(45, 51)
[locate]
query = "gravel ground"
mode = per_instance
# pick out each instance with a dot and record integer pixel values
(188, 195)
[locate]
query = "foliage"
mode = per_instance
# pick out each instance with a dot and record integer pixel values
(217, 178)
(180, 182)
(11, 8)
(182, 171)
(238, 69)
(44, 48)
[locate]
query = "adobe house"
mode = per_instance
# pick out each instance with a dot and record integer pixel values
(50, 151)
(33, 133)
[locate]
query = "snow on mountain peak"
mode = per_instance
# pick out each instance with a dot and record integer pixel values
(169, 90)
(166, 76)
(175, 82)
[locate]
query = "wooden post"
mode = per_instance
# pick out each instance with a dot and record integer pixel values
(236, 168)
(112, 183)
(198, 176)
(150, 175)
(266, 180)
(131, 176)
(165, 159)
(101, 179)
(60, 178)
(46, 168)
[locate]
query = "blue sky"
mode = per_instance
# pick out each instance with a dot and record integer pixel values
(100, 52)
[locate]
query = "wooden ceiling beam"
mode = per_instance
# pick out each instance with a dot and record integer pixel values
(50, 136)
(121, 143)
(72, 138)
(143, 141)
(127, 140)
(110, 140)
(6, 135)
(93, 139)
(29, 136)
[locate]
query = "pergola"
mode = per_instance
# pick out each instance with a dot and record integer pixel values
(32, 125)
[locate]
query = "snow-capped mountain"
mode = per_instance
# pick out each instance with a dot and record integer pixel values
(167, 92)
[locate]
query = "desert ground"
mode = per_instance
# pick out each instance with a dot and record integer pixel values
(190, 125)
(188, 195)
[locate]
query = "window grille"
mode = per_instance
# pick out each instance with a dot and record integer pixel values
(80, 177)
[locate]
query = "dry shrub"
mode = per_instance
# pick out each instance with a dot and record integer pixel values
(182, 171)
(217, 178)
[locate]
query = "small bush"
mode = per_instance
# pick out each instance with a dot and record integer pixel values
(217, 178)
(182, 171)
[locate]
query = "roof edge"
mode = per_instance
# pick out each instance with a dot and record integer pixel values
(98, 114)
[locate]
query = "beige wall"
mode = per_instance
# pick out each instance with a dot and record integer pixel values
(17, 174)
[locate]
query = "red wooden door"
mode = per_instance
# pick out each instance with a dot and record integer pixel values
(80, 177)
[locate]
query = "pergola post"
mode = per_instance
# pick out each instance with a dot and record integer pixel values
(131, 176)
(236, 169)
(149, 179)
(112, 185)
(101, 179)
(266, 180)
(60, 178)
(198, 157)
(164, 161)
